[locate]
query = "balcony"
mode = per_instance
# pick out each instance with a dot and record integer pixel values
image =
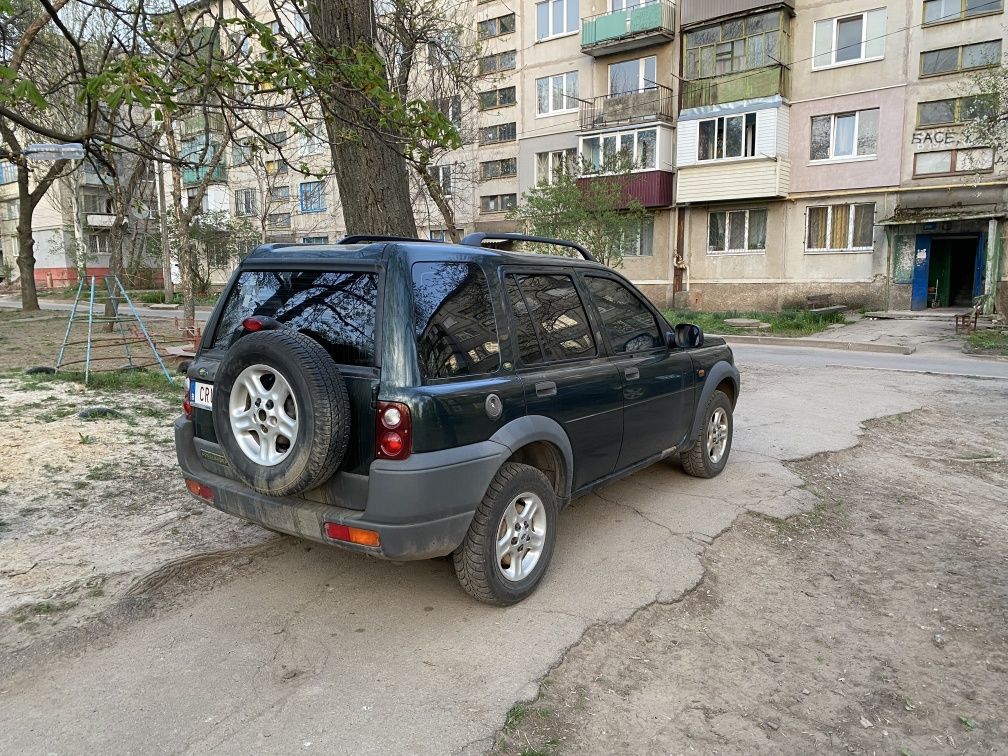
(191, 176)
(649, 188)
(731, 180)
(628, 29)
(699, 11)
(628, 108)
(732, 87)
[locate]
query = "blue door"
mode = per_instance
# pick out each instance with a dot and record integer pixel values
(922, 259)
(980, 272)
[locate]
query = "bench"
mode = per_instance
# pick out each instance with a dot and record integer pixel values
(965, 322)
(821, 304)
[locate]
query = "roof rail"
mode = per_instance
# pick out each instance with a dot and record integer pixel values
(476, 240)
(358, 238)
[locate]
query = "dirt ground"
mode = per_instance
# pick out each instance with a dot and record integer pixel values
(89, 505)
(875, 624)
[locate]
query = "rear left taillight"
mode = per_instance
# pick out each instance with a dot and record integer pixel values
(393, 431)
(186, 404)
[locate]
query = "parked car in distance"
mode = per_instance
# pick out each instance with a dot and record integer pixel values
(412, 399)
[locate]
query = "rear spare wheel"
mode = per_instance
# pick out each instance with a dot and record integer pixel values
(281, 412)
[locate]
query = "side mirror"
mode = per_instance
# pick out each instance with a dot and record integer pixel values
(688, 336)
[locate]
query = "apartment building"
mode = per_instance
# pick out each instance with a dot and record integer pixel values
(782, 148)
(844, 171)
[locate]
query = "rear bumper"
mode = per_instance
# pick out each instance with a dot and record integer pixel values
(421, 507)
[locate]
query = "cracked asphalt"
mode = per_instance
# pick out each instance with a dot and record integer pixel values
(306, 648)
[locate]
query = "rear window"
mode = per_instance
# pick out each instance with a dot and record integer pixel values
(337, 309)
(453, 316)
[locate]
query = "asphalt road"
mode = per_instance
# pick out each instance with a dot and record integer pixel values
(323, 651)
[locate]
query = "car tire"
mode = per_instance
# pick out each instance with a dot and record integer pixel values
(709, 453)
(296, 443)
(521, 507)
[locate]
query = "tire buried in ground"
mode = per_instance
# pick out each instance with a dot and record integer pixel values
(281, 412)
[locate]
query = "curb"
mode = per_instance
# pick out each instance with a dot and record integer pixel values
(846, 346)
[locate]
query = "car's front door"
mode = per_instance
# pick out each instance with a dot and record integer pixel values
(657, 380)
(567, 376)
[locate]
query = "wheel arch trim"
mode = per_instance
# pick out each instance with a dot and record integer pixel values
(715, 376)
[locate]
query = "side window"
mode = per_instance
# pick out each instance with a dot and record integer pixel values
(628, 323)
(527, 346)
(456, 332)
(551, 305)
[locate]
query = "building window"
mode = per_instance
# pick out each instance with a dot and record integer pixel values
(504, 61)
(276, 167)
(280, 193)
(845, 135)
(738, 44)
(954, 110)
(96, 204)
(437, 234)
(939, 11)
(727, 137)
(313, 142)
(553, 164)
(240, 154)
(633, 75)
(557, 94)
(501, 132)
(849, 39)
(737, 231)
(450, 108)
(278, 220)
(315, 240)
(497, 203)
(948, 162)
(556, 17)
(495, 27)
(962, 58)
(277, 138)
(245, 202)
(8, 172)
(491, 169)
(640, 241)
(497, 98)
(607, 152)
(312, 196)
(840, 228)
(442, 176)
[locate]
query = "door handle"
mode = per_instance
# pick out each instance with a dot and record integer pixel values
(545, 388)
(631, 374)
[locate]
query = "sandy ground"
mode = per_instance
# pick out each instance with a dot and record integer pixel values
(874, 624)
(89, 505)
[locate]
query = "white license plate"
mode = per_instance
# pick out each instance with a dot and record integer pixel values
(201, 395)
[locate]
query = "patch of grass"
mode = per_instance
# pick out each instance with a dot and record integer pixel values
(515, 715)
(86, 439)
(103, 471)
(988, 341)
(783, 323)
(128, 380)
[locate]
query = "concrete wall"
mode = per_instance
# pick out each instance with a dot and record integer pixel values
(848, 173)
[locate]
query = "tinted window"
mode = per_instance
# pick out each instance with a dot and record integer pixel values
(527, 342)
(335, 308)
(455, 328)
(561, 323)
(628, 323)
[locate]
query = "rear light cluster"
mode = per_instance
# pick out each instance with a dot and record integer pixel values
(199, 489)
(186, 404)
(361, 537)
(394, 431)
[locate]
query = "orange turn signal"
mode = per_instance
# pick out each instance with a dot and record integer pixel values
(361, 537)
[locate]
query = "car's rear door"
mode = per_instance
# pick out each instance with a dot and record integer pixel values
(566, 373)
(657, 380)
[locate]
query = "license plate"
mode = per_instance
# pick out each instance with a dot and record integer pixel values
(201, 395)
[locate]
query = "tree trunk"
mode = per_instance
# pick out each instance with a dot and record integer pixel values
(26, 244)
(371, 173)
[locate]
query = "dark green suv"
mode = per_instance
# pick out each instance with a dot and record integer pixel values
(412, 399)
